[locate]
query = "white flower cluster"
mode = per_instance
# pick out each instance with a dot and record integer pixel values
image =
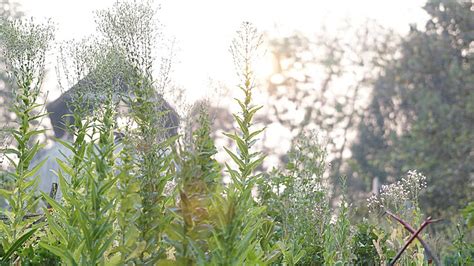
(414, 182)
(131, 27)
(24, 44)
(403, 193)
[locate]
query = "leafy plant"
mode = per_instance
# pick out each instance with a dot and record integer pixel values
(131, 29)
(401, 198)
(236, 214)
(139, 194)
(25, 44)
(198, 175)
(461, 250)
(337, 235)
(468, 213)
(298, 201)
(85, 232)
(364, 245)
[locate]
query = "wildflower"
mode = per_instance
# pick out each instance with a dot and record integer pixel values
(402, 193)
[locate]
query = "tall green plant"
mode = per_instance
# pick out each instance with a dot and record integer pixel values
(85, 233)
(204, 149)
(65, 238)
(198, 176)
(402, 199)
(131, 28)
(25, 44)
(237, 215)
(298, 201)
(337, 235)
(153, 159)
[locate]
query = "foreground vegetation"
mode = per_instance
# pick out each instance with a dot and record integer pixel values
(155, 198)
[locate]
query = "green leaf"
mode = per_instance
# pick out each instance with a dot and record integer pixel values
(252, 112)
(36, 117)
(167, 262)
(299, 256)
(65, 167)
(240, 143)
(255, 133)
(56, 206)
(5, 193)
(235, 158)
(32, 152)
(106, 244)
(65, 144)
(10, 151)
(64, 255)
(26, 185)
(35, 132)
(115, 260)
(17, 244)
(35, 169)
(242, 125)
(11, 161)
(256, 163)
(273, 256)
(56, 229)
(242, 106)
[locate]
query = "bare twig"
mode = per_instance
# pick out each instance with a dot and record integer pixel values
(412, 231)
(414, 235)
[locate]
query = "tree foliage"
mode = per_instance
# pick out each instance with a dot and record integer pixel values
(421, 113)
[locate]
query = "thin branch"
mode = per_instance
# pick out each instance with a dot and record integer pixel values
(415, 235)
(412, 231)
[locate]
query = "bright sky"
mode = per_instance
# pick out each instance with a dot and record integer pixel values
(203, 29)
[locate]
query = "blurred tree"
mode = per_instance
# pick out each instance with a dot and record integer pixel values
(421, 114)
(322, 83)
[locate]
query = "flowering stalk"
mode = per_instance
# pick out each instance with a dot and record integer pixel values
(237, 215)
(130, 27)
(25, 45)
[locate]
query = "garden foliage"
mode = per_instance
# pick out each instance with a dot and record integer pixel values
(140, 194)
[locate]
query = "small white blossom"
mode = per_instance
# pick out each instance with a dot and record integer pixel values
(402, 193)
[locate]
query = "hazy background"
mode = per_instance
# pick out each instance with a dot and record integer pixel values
(202, 30)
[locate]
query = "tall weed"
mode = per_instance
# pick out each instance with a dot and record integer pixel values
(25, 44)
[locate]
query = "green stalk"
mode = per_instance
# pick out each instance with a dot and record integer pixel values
(25, 45)
(238, 216)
